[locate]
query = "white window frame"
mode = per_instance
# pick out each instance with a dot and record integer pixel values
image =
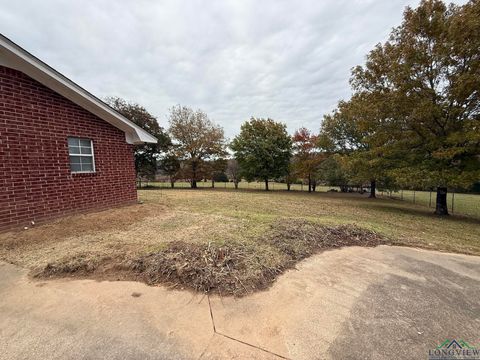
(92, 155)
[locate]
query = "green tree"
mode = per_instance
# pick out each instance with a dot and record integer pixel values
(263, 149)
(196, 139)
(171, 166)
(332, 173)
(291, 176)
(350, 131)
(215, 169)
(220, 176)
(146, 155)
(424, 85)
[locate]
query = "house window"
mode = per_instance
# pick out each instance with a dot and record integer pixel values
(82, 159)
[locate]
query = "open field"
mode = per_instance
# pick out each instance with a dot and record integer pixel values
(465, 204)
(244, 233)
(254, 211)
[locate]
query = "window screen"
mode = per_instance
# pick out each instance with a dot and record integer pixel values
(81, 155)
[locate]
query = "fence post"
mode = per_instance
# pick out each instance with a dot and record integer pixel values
(413, 196)
(453, 199)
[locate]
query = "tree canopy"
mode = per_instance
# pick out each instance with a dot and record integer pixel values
(196, 138)
(262, 149)
(421, 87)
(146, 155)
(233, 171)
(307, 157)
(350, 131)
(171, 166)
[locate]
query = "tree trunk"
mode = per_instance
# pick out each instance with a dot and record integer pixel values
(266, 184)
(373, 185)
(441, 207)
(172, 184)
(213, 184)
(236, 184)
(314, 185)
(288, 186)
(194, 175)
(309, 183)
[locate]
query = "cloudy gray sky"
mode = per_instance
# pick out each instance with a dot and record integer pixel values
(288, 60)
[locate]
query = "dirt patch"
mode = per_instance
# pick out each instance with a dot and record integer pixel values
(233, 268)
(134, 230)
(115, 219)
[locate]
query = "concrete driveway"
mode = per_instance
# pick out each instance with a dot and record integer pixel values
(368, 303)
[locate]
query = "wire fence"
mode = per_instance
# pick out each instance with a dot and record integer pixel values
(458, 203)
(272, 185)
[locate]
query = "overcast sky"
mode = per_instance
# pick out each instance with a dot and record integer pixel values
(288, 60)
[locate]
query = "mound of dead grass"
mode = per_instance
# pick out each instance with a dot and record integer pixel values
(299, 239)
(234, 268)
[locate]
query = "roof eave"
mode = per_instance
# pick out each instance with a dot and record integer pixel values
(13, 56)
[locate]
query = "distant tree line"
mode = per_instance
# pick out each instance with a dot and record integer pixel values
(413, 121)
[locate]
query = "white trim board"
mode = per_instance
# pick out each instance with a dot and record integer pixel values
(15, 57)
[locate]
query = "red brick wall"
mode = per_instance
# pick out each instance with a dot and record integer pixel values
(35, 178)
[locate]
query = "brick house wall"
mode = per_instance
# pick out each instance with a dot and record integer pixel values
(35, 177)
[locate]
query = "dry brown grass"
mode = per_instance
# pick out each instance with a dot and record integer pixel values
(234, 268)
(146, 240)
(135, 229)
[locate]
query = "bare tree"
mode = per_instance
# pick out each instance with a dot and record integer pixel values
(233, 171)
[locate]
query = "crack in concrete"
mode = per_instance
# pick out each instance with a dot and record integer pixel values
(238, 340)
(211, 314)
(253, 346)
(206, 347)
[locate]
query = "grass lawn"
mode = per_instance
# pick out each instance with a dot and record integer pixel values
(458, 203)
(249, 213)
(208, 227)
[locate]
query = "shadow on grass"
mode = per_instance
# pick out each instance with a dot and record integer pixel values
(394, 206)
(404, 209)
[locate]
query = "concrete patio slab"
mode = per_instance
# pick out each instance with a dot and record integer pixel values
(221, 348)
(334, 299)
(85, 319)
(369, 303)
